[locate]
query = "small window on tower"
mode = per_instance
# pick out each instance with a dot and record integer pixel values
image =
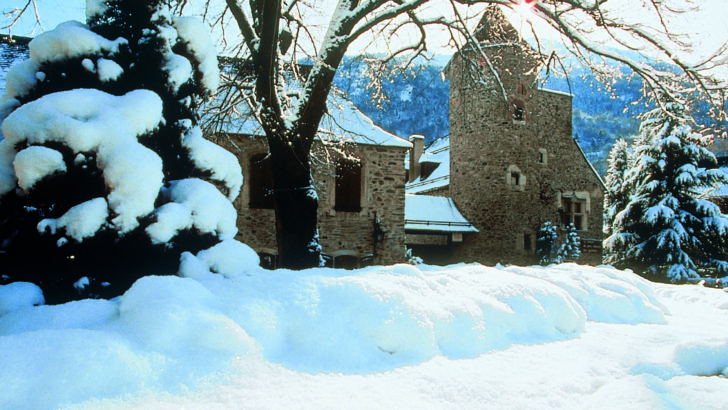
(522, 89)
(542, 157)
(519, 110)
(515, 178)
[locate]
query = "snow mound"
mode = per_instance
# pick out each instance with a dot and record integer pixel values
(228, 258)
(606, 294)
(164, 333)
(18, 295)
(171, 335)
(703, 359)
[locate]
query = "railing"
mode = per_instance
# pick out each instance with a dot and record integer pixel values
(428, 181)
(436, 223)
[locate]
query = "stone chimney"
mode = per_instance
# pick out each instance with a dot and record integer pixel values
(418, 147)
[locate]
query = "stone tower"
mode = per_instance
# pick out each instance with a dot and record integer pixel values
(514, 164)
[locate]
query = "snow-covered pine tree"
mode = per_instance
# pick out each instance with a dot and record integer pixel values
(546, 246)
(666, 231)
(618, 192)
(104, 173)
(569, 251)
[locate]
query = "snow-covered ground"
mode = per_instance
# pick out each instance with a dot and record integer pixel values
(464, 336)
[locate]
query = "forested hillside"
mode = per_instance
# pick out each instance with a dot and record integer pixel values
(416, 102)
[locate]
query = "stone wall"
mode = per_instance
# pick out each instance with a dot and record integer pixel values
(513, 158)
(341, 233)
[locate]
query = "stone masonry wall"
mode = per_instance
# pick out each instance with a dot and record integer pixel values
(508, 173)
(341, 233)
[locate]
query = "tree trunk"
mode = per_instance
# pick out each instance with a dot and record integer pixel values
(296, 206)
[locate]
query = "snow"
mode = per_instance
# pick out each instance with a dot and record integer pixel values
(108, 70)
(95, 8)
(463, 336)
(433, 213)
(192, 31)
(81, 221)
(170, 219)
(179, 70)
(209, 156)
(210, 211)
(88, 120)
(19, 295)
(68, 40)
(21, 77)
(438, 154)
(34, 163)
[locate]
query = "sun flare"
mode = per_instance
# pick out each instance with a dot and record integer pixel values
(525, 8)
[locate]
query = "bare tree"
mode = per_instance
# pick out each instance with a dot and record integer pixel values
(276, 34)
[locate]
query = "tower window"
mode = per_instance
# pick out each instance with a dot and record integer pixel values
(542, 157)
(519, 110)
(515, 177)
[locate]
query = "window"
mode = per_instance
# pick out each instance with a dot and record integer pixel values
(260, 182)
(542, 157)
(522, 89)
(348, 186)
(427, 168)
(527, 242)
(573, 212)
(519, 110)
(515, 178)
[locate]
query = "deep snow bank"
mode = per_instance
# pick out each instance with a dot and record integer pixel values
(167, 333)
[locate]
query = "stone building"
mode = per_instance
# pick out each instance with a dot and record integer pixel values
(359, 177)
(509, 164)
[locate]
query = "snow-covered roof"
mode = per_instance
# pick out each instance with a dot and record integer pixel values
(435, 214)
(343, 121)
(557, 92)
(437, 153)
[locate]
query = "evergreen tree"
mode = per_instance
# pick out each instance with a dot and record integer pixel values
(570, 250)
(666, 230)
(618, 192)
(546, 247)
(104, 173)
